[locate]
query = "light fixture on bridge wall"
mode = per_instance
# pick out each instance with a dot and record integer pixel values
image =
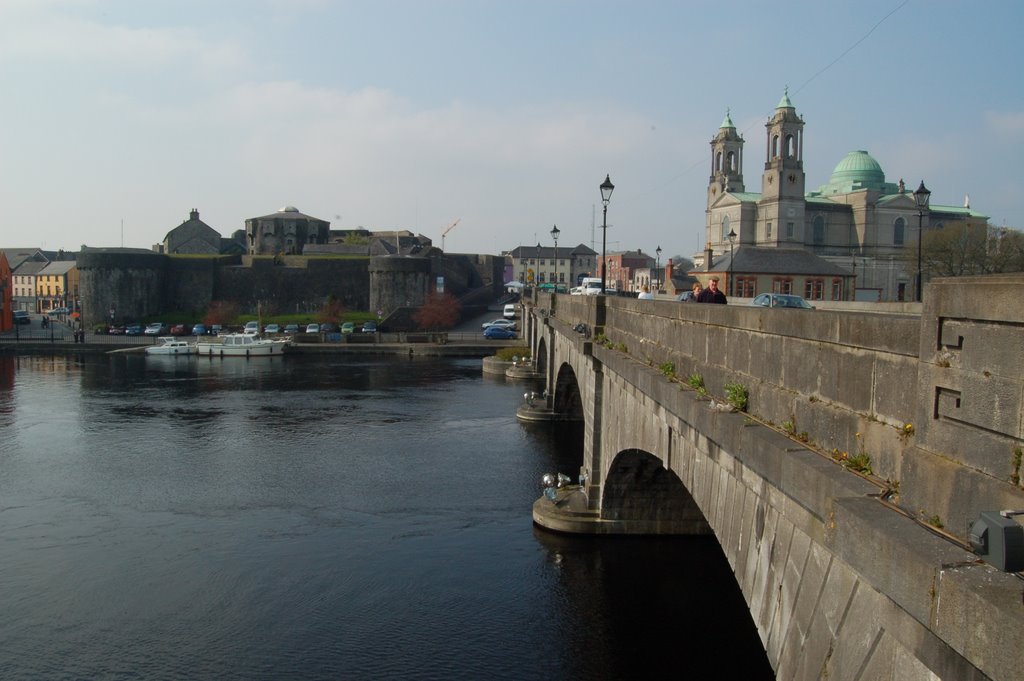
(606, 195)
(921, 197)
(999, 540)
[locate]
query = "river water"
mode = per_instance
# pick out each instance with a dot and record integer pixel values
(328, 518)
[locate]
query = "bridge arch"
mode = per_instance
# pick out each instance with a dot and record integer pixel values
(639, 490)
(567, 401)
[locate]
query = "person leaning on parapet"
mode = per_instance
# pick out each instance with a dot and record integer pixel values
(695, 295)
(645, 294)
(711, 294)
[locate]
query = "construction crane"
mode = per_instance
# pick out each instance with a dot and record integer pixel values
(448, 229)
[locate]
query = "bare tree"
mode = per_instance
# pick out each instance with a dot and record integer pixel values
(961, 250)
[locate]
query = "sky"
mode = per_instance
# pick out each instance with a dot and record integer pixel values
(119, 117)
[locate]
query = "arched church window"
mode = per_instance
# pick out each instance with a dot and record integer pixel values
(790, 146)
(898, 231)
(725, 228)
(732, 161)
(718, 162)
(819, 230)
(775, 146)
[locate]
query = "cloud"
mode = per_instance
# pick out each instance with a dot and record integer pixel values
(42, 33)
(1005, 123)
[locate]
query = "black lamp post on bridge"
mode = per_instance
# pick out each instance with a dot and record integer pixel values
(921, 197)
(657, 269)
(606, 194)
(554, 236)
(732, 237)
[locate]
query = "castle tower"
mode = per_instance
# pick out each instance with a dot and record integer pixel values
(726, 161)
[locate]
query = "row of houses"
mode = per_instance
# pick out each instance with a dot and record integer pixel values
(39, 281)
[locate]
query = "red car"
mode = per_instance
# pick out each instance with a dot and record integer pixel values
(180, 330)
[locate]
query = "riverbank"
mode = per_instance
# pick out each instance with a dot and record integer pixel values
(410, 349)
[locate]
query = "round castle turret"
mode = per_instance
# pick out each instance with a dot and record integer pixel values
(123, 283)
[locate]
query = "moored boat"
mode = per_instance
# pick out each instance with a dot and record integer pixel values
(241, 345)
(169, 345)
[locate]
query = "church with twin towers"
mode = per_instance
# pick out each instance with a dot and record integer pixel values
(853, 238)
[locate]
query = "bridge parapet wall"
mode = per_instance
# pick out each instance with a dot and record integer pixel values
(852, 383)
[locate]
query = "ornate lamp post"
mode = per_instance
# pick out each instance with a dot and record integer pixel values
(657, 269)
(606, 194)
(554, 236)
(921, 196)
(732, 237)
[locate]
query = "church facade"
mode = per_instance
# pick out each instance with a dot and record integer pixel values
(860, 231)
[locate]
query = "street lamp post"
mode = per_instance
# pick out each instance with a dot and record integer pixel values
(657, 269)
(606, 194)
(537, 282)
(554, 236)
(921, 196)
(732, 238)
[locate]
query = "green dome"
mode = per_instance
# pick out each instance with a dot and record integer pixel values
(858, 168)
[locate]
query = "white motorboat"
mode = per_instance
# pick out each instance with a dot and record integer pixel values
(241, 345)
(169, 345)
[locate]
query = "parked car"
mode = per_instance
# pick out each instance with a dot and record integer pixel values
(21, 317)
(251, 328)
(216, 329)
(177, 330)
(348, 327)
(116, 330)
(199, 330)
(133, 330)
(510, 311)
(313, 328)
(156, 329)
(498, 333)
(781, 300)
(272, 328)
(327, 327)
(504, 323)
(369, 327)
(291, 328)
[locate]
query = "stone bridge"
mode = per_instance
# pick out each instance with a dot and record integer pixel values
(842, 495)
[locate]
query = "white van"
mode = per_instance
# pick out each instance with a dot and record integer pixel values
(510, 311)
(591, 286)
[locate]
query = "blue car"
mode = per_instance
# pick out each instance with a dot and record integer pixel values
(499, 333)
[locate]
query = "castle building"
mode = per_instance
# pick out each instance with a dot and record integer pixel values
(285, 232)
(193, 236)
(853, 238)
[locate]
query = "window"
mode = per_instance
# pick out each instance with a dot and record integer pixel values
(819, 230)
(768, 230)
(782, 285)
(725, 228)
(837, 289)
(732, 161)
(746, 287)
(790, 230)
(775, 146)
(898, 230)
(814, 289)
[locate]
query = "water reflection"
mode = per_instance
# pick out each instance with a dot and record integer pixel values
(321, 518)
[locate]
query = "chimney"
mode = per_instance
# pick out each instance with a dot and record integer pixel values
(194, 215)
(668, 273)
(708, 255)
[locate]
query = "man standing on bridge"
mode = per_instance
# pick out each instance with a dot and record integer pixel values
(711, 294)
